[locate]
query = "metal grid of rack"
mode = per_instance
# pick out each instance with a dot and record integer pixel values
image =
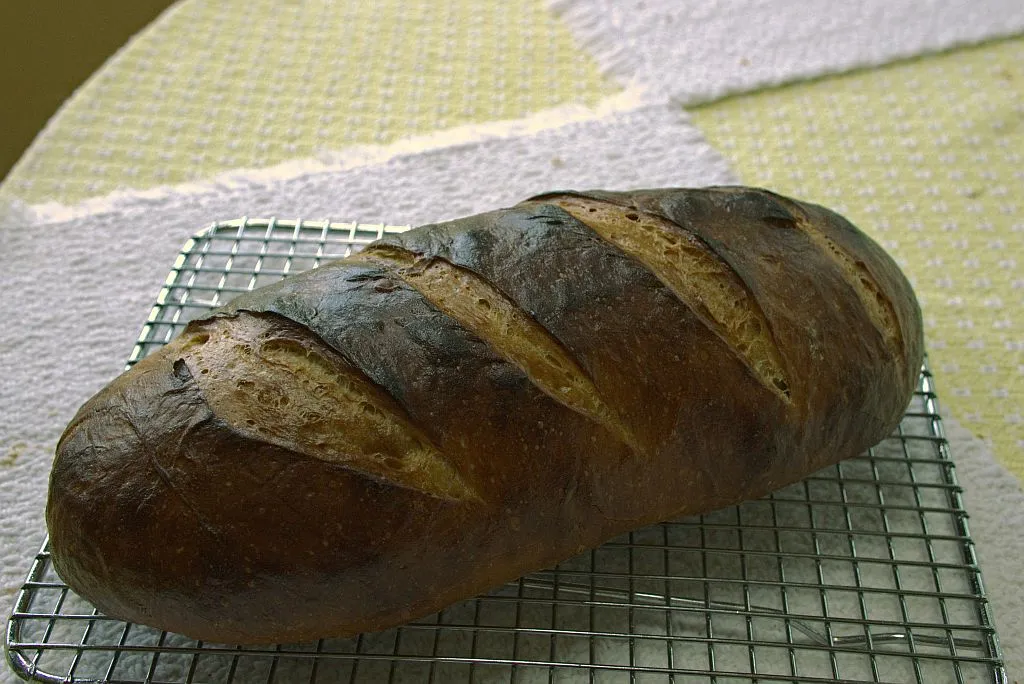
(864, 571)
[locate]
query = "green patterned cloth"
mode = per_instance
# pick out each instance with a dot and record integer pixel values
(925, 155)
(184, 101)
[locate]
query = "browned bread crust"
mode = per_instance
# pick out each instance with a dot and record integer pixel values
(458, 405)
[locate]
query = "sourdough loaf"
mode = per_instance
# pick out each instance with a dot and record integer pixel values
(458, 405)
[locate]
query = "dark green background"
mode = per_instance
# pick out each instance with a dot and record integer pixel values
(50, 48)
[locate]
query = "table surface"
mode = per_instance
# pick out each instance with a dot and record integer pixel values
(925, 155)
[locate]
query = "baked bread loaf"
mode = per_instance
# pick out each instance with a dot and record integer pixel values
(464, 403)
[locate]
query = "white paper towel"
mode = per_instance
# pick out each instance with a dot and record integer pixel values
(995, 503)
(700, 50)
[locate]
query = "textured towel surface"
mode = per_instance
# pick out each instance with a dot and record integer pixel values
(701, 50)
(215, 85)
(995, 502)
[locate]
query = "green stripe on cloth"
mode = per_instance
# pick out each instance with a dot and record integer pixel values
(214, 86)
(928, 157)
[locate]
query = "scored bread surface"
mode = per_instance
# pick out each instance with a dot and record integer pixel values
(693, 273)
(250, 374)
(458, 405)
(492, 316)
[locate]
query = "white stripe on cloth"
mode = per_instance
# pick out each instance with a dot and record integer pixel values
(696, 51)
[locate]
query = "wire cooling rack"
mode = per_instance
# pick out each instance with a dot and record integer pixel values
(864, 571)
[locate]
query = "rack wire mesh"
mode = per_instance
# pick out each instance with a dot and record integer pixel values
(864, 571)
